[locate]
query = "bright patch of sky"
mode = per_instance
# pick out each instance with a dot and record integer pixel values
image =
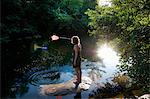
(104, 3)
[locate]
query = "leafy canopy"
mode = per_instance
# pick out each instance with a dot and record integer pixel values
(126, 24)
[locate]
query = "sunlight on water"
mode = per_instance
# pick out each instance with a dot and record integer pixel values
(110, 60)
(108, 55)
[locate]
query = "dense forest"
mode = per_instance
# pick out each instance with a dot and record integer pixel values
(125, 25)
(27, 19)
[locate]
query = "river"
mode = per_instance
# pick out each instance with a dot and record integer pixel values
(38, 73)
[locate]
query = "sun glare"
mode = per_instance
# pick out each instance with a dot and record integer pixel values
(108, 55)
(104, 3)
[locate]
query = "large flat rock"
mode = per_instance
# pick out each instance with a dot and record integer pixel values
(66, 87)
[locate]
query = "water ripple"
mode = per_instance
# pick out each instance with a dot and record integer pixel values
(51, 76)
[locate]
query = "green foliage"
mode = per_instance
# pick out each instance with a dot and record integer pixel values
(127, 23)
(21, 18)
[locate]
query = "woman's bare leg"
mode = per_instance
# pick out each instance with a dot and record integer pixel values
(78, 73)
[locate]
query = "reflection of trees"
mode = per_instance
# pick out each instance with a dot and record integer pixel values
(18, 89)
(120, 88)
(94, 75)
(95, 71)
(56, 55)
(23, 89)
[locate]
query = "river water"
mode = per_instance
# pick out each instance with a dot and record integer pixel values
(28, 85)
(30, 88)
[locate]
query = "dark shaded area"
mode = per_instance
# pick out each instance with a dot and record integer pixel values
(14, 55)
(25, 22)
(78, 95)
(114, 91)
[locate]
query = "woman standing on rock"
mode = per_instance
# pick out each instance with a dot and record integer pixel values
(77, 57)
(76, 54)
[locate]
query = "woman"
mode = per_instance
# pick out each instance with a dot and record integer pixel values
(77, 57)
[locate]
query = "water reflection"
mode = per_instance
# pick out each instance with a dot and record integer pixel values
(108, 55)
(110, 59)
(44, 75)
(59, 74)
(19, 89)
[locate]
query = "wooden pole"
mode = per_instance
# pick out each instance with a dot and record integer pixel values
(65, 38)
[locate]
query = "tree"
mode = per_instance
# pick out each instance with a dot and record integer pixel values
(29, 18)
(127, 24)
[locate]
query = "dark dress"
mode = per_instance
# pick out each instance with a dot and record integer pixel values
(78, 61)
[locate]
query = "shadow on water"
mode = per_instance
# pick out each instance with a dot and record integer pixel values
(11, 54)
(78, 95)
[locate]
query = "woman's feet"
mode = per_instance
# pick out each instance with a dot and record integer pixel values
(77, 82)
